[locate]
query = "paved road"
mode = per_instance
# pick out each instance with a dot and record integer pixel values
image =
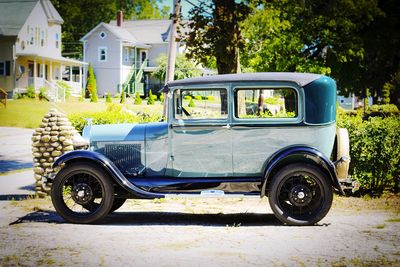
(15, 154)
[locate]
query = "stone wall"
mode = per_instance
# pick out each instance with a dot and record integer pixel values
(53, 138)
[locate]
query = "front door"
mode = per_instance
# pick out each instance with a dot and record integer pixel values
(201, 142)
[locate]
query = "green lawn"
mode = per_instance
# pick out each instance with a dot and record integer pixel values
(28, 113)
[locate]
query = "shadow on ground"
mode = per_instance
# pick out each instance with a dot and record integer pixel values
(163, 218)
(12, 165)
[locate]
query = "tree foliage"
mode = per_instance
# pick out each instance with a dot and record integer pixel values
(214, 33)
(184, 68)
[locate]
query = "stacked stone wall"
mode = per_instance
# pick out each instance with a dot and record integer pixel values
(53, 138)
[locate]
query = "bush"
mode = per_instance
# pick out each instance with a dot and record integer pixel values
(198, 97)
(91, 87)
(374, 151)
(150, 99)
(114, 114)
(43, 94)
(108, 98)
(191, 103)
(30, 92)
(138, 99)
(210, 97)
(162, 98)
(187, 97)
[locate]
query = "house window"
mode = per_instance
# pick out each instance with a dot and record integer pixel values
(132, 55)
(5, 68)
(32, 36)
(102, 54)
(42, 38)
(126, 54)
(2, 68)
(143, 56)
(57, 40)
(102, 35)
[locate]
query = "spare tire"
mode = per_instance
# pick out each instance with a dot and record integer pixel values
(342, 150)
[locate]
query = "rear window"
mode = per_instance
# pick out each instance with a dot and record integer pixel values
(255, 103)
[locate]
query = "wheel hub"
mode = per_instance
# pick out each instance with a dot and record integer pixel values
(82, 194)
(300, 195)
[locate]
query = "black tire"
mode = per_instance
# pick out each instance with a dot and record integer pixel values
(82, 193)
(118, 202)
(300, 194)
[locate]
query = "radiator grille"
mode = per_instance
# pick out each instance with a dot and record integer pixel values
(125, 156)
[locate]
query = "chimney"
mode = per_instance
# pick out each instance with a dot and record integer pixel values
(120, 18)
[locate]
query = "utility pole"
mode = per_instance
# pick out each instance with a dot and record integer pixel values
(172, 46)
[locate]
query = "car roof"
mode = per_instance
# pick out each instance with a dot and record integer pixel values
(301, 79)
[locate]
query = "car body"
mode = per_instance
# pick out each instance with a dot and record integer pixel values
(264, 134)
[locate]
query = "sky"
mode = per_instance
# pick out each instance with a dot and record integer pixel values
(185, 5)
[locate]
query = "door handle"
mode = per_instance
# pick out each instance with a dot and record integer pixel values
(228, 126)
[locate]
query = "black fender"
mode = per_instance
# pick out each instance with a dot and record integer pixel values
(293, 154)
(108, 166)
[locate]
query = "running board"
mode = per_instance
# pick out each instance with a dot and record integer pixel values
(210, 194)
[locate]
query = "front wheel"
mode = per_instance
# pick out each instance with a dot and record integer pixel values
(82, 193)
(300, 194)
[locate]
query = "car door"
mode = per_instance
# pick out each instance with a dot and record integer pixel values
(200, 134)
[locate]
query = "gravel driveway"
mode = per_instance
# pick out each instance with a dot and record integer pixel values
(198, 232)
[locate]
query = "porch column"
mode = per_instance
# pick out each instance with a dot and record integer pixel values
(60, 72)
(80, 76)
(34, 72)
(70, 73)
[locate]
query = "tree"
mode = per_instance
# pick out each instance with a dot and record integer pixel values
(91, 87)
(82, 16)
(214, 33)
(184, 68)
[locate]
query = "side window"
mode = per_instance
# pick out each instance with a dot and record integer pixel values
(266, 103)
(102, 54)
(200, 104)
(2, 68)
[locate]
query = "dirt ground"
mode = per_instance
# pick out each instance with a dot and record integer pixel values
(201, 232)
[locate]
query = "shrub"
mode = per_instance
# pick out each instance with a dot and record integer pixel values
(43, 94)
(114, 114)
(91, 86)
(162, 97)
(30, 92)
(198, 97)
(210, 97)
(191, 103)
(82, 97)
(123, 98)
(150, 99)
(108, 98)
(187, 97)
(374, 151)
(138, 99)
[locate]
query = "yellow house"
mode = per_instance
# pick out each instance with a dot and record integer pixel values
(30, 49)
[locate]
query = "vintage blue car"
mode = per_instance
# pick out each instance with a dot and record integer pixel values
(264, 134)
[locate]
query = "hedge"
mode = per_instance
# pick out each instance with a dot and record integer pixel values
(374, 151)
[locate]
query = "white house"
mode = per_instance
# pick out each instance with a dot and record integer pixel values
(124, 53)
(30, 48)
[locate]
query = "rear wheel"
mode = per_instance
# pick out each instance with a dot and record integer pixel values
(300, 194)
(82, 193)
(118, 202)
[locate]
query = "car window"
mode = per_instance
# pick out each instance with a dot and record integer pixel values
(200, 104)
(253, 103)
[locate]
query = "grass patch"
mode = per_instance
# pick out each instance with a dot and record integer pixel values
(381, 226)
(393, 220)
(388, 202)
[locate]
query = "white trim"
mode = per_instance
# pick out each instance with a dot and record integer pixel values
(102, 37)
(99, 54)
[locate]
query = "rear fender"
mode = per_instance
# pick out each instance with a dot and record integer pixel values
(108, 166)
(296, 154)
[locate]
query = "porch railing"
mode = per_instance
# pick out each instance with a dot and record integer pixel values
(3, 93)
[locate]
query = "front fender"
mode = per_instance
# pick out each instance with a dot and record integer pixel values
(108, 166)
(294, 154)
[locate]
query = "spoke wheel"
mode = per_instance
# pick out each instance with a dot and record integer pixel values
(300, 194)
(82, 193)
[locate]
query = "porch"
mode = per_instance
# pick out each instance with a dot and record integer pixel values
(50, 73)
